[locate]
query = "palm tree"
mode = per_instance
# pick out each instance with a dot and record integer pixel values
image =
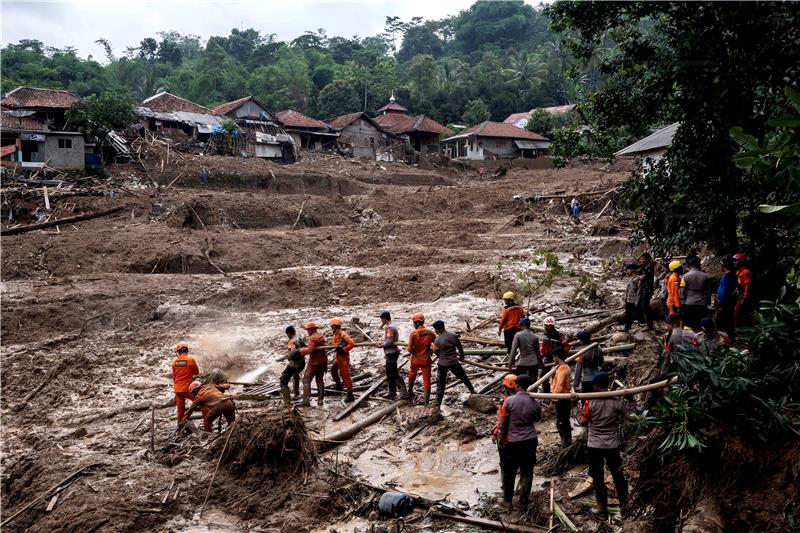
(528, 70)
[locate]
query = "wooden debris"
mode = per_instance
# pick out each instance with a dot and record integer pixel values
(353, 406)
(343, 435)
(487, 367)
(581, 488)
(488, 524)
(563, 518)
(552, 503)
(299, 213)
(169, 491)
(53, 501)
(219, 461)
(48, 377)
(33, 227)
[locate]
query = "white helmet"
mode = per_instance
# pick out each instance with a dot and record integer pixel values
(549, 321)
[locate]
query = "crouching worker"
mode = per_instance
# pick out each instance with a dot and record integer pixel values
(210, 397)
(518, 430)
(603, 416)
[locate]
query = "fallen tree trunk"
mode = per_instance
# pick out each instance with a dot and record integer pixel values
(68, 220)
(604, 394)
(488, 524)
(345, 434)
(491, 385)
(567, 360)
(352, 407)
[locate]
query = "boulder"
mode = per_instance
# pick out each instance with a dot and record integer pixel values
(483, 403)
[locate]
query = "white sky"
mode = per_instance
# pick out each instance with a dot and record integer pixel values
(79, 23)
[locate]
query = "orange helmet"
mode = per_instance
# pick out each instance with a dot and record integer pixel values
(181, 346)
(418, 317)
(510, 381)
(311, 325)
(336, 321)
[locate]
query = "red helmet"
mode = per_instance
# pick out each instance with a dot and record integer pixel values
(181, 346)
(336, 321)
(740, 257)
(311, 325)
(418, 317)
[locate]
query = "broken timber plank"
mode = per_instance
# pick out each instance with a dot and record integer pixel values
(33, 227)
(489, 524)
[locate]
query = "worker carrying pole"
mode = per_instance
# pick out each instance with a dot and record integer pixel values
(295, 365)
(447, 346)
(316, 366)
(344, 343)
(392, 353)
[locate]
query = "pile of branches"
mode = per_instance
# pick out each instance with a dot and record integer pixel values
(272, 440)
(560, 461)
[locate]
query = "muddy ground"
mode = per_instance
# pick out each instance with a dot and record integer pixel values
(91, 311)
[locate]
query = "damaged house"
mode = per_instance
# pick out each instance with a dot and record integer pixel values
(364, 138)
(35, 132)
(496, 140)
(263, 135)
(308, 133)
(423, 133)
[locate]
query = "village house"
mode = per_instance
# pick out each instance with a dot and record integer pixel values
(520, 120)
(35, 132)
(308, 133)
(366, 139)
(176, 118)
(263, 135)
(495, 140)
(423, 133)
(651, 147)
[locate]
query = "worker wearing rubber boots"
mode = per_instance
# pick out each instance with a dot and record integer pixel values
(215, 403)
(517, 429)
(526, 345)
(447, 346)
(550, 338)
(316, 365)
(744, 305)
(391, 351)
(509, 319)
(603, 416)
(588, 364)
(509, 388)
(344, 343)
(674, 288)
(560, 384)
(419, 346)
(295, 365)
(184, 370)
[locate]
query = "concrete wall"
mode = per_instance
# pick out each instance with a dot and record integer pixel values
(64, 157)
(365, 138)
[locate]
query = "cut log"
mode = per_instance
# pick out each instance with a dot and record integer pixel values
(488, 367)
(604, 394)
(352, 407)
(334, 439)
(69, 220)
(488, 524)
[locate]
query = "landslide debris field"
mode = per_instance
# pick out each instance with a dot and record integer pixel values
(92, 311)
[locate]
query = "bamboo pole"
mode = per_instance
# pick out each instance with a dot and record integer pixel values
(488, 367)
(604, 394)
(488, 524)
(567, 360)
(219, 461)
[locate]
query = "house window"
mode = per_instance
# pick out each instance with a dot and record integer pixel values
(65, 143)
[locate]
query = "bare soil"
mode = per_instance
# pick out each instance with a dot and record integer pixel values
(104, 301)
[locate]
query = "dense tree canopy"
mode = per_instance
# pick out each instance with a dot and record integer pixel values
(499, 52)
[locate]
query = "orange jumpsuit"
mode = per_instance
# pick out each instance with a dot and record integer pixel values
(742, 310)
(673, 294)
(317, 361)
(214, 404)
(510, 317)
(342, 363)
(419, 346)
(184, 369)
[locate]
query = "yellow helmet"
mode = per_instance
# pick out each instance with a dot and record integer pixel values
(508, 296)
(674, 265)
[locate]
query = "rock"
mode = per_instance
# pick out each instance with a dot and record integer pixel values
(467, 431)
(483, 403)
(620, 337)
(643, 337)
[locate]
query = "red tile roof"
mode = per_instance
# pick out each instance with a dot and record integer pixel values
(32, 97)
(294, 119)
(393, 106)
(345, 120)
(11, 122)
(397, 123)
(164, 102)
(498, 129)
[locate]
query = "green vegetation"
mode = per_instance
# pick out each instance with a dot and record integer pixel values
(97, 115)
(499, 52)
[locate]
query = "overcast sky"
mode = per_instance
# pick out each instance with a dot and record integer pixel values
(79, 23)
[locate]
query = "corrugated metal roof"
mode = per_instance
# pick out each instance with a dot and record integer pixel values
(498, 129)
(660, 139)
(185, 117)
(165, 102)
(531, 145)
(33, 97)
(294, 119)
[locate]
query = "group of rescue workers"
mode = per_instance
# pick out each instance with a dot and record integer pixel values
(685, 297)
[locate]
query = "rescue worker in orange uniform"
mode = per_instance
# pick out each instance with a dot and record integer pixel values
(419, 346)
(674, 288)
(509, 320)
(509, 388)
(214, 402)
(344, 343)
(184, 369)
(316, 366)
(744, 305)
